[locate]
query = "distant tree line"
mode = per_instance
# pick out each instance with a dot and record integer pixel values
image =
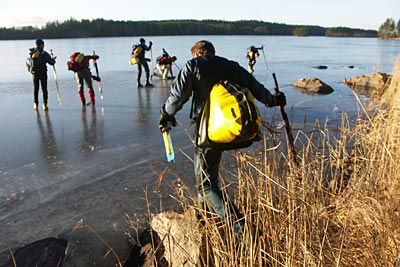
(389, 29)
(73, 28)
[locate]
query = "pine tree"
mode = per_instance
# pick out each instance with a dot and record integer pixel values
(398, 29)
(388, 29)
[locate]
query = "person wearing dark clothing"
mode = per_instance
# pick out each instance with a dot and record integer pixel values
(252, 55)
(83, 75)
(37, 64)
(196, 80)
(140, 49)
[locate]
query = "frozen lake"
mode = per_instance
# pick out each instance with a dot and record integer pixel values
(97, 164)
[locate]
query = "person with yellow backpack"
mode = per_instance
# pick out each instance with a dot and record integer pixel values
(252, 55)
(138, 57)
(204, 77)
(36, 63)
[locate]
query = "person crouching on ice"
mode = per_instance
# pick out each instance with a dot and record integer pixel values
(164, 65)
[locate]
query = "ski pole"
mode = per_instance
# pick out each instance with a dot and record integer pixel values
(152, 65)
(98, 76)
(55, 78)
(177, 66)
(265, 59)
(289, 134)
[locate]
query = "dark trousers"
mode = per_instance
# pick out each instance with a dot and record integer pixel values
(251, 64)
(206, 168)
(40, 79)
(84, 76)
(143, 63)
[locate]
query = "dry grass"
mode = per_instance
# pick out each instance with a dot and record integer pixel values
(345, 212)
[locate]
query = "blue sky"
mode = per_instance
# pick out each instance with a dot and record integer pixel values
(327, 13)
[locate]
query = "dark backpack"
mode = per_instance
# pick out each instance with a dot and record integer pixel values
(35, 62)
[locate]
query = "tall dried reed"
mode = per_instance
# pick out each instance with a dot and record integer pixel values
(346, 210)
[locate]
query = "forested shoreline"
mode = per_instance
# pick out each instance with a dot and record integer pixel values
(73, 28)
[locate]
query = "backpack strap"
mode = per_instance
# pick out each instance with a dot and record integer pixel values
(191, 108)
(196, 70)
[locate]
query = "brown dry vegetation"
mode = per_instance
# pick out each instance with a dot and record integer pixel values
(345, 212)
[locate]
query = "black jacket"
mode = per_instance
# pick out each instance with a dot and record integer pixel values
(39, 62)
(200, 74)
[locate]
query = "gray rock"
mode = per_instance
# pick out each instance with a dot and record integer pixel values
(314, 85)
(180, 237)
(371, 85)
(374, 81)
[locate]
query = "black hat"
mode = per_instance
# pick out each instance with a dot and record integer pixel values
(142, 40)
(39, 42)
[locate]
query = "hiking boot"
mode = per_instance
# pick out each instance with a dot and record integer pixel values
(35, 106)
(45, 107)
(149, 85)
(139, 85)
(82, 97)
(91, 96)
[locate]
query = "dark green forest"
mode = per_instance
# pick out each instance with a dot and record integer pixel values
(73, 28)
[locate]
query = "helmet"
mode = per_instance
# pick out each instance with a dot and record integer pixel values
(174, 58)
(39, 42)
(142, 40)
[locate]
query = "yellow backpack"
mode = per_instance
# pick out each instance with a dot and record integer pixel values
(230, 119)
(75, 61)
(36, 54)
(135, 53)
(79, 57)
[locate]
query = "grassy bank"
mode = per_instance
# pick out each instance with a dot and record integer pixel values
(344, 212)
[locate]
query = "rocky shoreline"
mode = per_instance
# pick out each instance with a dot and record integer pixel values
(372, 85)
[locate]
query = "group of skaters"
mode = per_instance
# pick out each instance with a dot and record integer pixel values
(79, 63)
(196, 79)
